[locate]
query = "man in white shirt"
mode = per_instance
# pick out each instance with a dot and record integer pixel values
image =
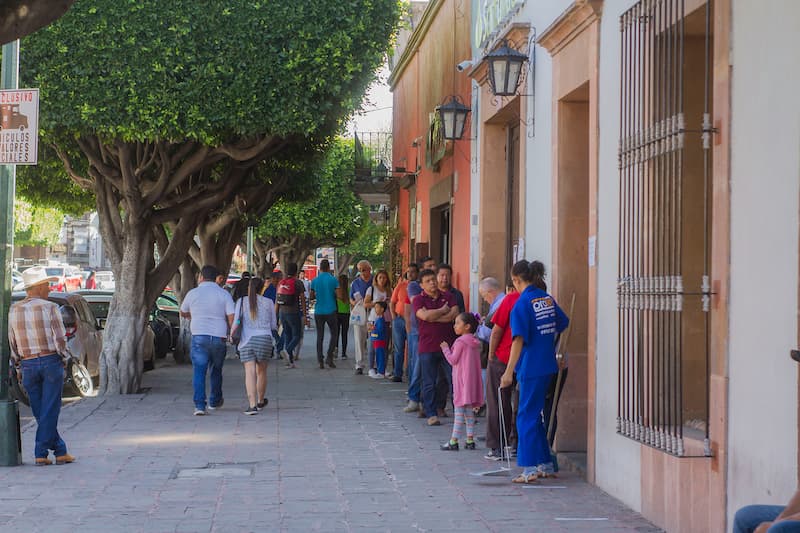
(210, 309)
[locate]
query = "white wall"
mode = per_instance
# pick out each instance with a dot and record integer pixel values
(618, 459)
(765, 187)
(538, 233)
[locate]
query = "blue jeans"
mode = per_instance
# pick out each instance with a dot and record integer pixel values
(414, 369)
(399, 344)
(748, 518)
(43, 379)
(207, 351)
(292, 330)
(434, 391)
(280, 340)
(380, 359)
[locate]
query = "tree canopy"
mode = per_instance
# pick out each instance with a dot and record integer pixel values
(331, 215)
(166, 110)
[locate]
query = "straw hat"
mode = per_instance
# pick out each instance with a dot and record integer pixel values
(35, 276)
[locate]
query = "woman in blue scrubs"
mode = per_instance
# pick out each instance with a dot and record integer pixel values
(536, 319)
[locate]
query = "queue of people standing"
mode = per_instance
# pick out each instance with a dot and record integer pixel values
(478, 364)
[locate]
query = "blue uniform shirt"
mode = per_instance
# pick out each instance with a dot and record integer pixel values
(537, 318)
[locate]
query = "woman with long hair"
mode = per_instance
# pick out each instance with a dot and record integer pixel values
(343, 312)
(536, 319)
(380, 291)
(255, 316)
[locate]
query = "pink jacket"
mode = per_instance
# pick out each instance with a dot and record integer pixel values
(465, 357)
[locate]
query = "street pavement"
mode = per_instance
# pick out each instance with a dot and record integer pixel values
(332, 452)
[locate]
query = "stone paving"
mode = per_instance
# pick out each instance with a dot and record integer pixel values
(332, 452)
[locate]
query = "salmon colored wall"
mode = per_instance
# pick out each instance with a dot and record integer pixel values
(418, 86)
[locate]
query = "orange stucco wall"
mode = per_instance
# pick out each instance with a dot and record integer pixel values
(424, 78)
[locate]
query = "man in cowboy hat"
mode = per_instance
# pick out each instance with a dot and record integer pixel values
(37, 336)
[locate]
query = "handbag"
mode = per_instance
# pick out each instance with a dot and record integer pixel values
(236, 334)
(358, 315)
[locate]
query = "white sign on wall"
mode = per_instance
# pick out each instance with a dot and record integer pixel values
(19, 109)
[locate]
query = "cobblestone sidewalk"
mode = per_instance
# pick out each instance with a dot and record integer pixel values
(332, 452)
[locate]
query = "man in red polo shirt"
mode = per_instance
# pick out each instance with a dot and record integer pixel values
(435, 312)
(499, 353)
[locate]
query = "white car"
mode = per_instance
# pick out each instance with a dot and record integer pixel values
(104, 280)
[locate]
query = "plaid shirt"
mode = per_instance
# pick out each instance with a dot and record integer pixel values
(35, 327)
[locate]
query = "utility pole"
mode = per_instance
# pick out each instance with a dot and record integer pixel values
(10, 436)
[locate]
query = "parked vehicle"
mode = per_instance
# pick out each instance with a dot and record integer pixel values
(169, 309)
(76, 377)
(84, 343)
(69, 278)
(160, 328)
(105, 280)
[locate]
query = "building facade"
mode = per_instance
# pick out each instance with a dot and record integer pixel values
(431, 189)
(649, 158)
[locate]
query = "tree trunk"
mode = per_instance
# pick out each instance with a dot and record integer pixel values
(121, 363)
(185, 277)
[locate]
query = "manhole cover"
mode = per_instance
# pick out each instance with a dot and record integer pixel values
(213, 470)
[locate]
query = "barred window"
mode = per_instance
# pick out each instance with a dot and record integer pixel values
(664, 226)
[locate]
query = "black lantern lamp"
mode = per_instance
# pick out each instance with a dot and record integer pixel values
(454, 118)
(381, 172)
(505, 66)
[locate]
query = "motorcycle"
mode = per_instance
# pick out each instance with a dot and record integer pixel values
(76, 378)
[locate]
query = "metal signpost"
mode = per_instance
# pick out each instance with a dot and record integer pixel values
(19, 130)
(10, 437)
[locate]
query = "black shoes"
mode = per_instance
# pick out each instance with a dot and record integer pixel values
(251, 411)
(321, 365)
(330, 362)
(397, 379)
(359, 371)
(262, 404)
(469, 445)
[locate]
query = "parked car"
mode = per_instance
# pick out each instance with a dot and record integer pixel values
(105, 280)
(168, 308)
(160, 329)
(69, 278)
(84, 337)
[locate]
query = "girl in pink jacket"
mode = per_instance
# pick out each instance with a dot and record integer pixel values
(465, 357)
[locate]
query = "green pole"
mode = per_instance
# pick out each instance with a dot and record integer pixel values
(10, 436)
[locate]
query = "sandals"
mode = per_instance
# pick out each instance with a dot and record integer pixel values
(530, 479)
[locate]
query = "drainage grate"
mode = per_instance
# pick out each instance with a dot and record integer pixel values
(215, 470)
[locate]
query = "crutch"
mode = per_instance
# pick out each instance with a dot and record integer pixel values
(504, 445)
(561, 353)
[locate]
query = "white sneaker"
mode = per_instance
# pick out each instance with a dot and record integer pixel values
(372, 373)
(377, 376)
(199, 412)
(284, 355)
(411, 407)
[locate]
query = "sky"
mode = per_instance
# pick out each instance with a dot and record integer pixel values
(377, 114)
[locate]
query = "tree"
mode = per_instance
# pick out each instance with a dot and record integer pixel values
(36, 225)
(374, 243)
(333, 216)
(163, 111)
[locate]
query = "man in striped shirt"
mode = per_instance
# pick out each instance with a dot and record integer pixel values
(37, 337)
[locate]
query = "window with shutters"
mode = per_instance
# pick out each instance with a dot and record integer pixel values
(664, 225)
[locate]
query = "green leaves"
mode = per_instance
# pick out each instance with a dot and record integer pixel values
(207, 71)
(333, 215)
